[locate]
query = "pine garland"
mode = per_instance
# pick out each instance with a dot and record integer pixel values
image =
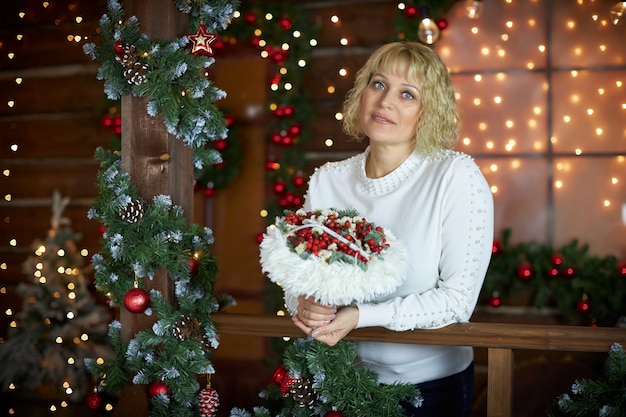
(605, 397)
(173, 83)
(160, 239)
(586, 289)
(288, 104)
(339, 382)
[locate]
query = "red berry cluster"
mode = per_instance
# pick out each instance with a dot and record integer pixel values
(366, 235)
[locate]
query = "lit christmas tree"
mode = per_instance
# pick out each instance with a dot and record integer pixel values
(60, 323)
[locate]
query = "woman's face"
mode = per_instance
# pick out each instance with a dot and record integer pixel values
(390, 107)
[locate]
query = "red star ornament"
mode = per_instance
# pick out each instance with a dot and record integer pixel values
(202, 41)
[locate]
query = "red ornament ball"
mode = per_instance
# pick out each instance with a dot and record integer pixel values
(525, 272)
(192, 263)
(220, 145)
(411, 11)
(497, 248)
(157, 387)
(495, 300)
(209, 192)
(250, 18)
(285, 23)
(334, 413)
(94, 400)
(118, 47)
(583, 306)
(569, 272)
(279, 374)
(136, 300)
(557, 259)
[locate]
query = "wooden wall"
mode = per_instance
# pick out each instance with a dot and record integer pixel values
(55, 122)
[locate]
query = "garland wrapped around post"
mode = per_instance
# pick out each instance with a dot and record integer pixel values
(143, 237)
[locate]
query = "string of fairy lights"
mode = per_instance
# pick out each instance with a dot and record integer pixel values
(581, 106)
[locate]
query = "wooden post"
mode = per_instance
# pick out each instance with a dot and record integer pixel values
(158, 164)
(500, 382)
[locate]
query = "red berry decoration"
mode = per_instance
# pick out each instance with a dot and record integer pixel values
(411, 11)
(157, 387)
(136, 300)
(497, 248)
(250, 18)
(554, 272)
(621, 268)
(525, 272)
(557, 259)
(442, 24)
(569, 272)
(285, 23)
(208, 401)
(583, 306)
(94, 400)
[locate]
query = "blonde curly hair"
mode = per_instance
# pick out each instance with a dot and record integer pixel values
(439, 120)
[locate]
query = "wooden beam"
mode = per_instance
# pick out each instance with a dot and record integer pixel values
(486, 335)
(499, 382)
(158, 164)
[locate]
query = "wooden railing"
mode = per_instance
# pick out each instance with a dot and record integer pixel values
(499, 339)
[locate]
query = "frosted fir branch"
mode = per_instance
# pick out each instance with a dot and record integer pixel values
(208, 369)
(113, 277)
(170, 373)
(140, 378)
(180, 69)
(132, 351)
(90, 50)
(152, 108)
(564, 401)
(239, 412)
(162, 201)
(160, 328)
(97, 261)
(605, 411)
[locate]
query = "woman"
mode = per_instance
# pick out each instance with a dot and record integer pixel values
(436, 200)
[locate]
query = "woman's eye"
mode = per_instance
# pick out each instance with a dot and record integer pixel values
(378, 85)
(407, 95)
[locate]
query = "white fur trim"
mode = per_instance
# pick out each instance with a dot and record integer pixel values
(337, 283)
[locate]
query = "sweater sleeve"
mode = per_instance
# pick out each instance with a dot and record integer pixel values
(466, 215)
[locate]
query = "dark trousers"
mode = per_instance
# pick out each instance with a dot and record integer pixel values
(446, 397)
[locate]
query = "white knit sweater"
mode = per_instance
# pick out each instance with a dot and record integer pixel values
(442, 208)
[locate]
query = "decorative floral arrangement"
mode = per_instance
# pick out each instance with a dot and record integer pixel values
(338, 257)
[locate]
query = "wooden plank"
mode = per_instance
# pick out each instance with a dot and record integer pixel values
(62, 135)
(73, 178)
(506, 336)
(81, 92)
(365, 24)
(30, 224)
(42, 46)
(500, 383)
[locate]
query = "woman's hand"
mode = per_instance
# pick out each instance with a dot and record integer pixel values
(325, 323)
(312, 314)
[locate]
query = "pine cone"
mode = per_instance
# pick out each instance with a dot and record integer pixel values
(208, 400)
(188, 327)
(132, 212)
(134, 71)
(304, 393)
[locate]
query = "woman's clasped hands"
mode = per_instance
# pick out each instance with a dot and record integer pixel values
(328, 324)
